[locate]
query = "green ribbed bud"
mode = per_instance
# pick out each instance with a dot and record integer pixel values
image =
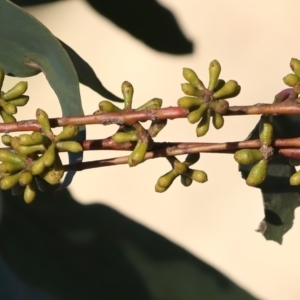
(43, 120)
(191, 159)
(138, 154)
(247, 156)
(185, 180)
(180, 167)
(127, 91)
(266, 133)
(9, 181)
(19, 89)
(25, 178)
(70, 146)
(190, 90)
(295, 66)
(220, 83)
(195, 115)
(214, 72)
(107, 106)
(258, 173)
(203, 126)
(9, 108)
(6, 117)
(188, 102)
(165, 181)
(38, 166)
(11, 157)
(35, 138)
(49, 156)
(220, 106)
(154, 103)
(67, 133)
(229, 90)
(6, 138)
(291, 79)
(218, 120)
(9, 167)
(192, 78)
(197, 175)
(124, 137)
(20, 101)
(30, 192)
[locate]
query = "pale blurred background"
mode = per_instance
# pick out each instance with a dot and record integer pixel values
(216, 221)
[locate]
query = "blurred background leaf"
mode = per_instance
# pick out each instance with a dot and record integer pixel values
(74, 251)
(146, 20)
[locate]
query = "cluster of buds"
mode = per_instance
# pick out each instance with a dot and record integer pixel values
(181, 169)
(11, 99)
(136, 132)
(258, 157)
(293, 79)
(205, 102)
(33, 160)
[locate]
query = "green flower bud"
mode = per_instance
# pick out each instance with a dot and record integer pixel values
(291, 79)
(266, 133)
(26, 150)
(203, 126)
(192, 78)
(25, 178)
(9, 181)
(9, 167)
(180, 167)
(188, 102)
(30, 192)
(38, 166)
(6, 117)
(195, 115)
(107, 106)
(53, 177)
(19, 89)
(154, 103)
(138, 154)
(214, 72)
(43, 120)
(247, 156)
(127, 91)
(229, 90)
(70, 146)
(218, 121)
(295, 179)
(197, 175)
(220, 83)
(166, 180)
(11, 157)
(124, 137)
(185, 180)
(258, 173)
(67, 133)
(9, 108)
(191, 159)
(156, 126)
(220, 106)
(190, 90)
(31, 139)
(21, 101)
(6, 139)
(49, 155)
(159, 189)
(295, 66)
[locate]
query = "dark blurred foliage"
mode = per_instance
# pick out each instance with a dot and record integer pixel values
(146, 20)
(74, 251)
